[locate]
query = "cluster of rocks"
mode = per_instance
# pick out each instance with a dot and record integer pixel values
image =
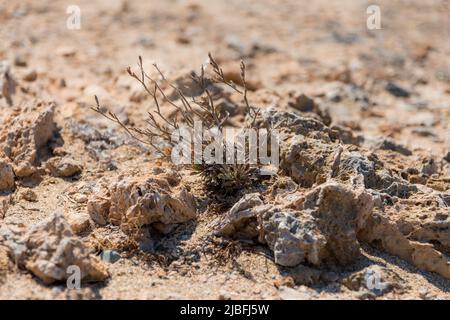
(25, 137)
(318, 227)
(26, 133)
(49, 248)
(354, 198)
(335, 195)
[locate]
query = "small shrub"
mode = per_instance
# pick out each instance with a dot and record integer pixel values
(226, 178)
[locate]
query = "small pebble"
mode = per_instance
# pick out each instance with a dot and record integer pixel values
(396, 90)
(110, 256)
(30, 76)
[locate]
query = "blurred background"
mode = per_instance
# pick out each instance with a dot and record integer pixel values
(317, 47)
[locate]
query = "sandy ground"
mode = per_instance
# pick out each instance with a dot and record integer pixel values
(319, 48)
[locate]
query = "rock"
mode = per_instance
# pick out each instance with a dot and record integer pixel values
(26, 133)
(429, 167)
(224, 295)
(110, 256)
(164, 228)
(302, 103)
(425, 119)
(49, 248)
(80, 198)
(6, 176)
(308, 276)
(307, 161)
(241, 218)
(317, 228)
(346, 135)
(28, 195)
(99, 203)
(387, 144)
(338, 92)
(376, 279)
(99, 143)
(30, 76)
(357, 169)
(294, 239)
(235, 43)
(64, 167)
(412, 232)
(424, 132)
(396, 90)
(7, 83)
(78, 221)
(133, 202)
(321, 228)
(345, 37)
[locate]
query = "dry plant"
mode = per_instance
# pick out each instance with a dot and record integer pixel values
(227, 178)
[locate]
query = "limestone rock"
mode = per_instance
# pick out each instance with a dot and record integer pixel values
(321, 229)
(405, 231)
(294, 238)
(132, 202)
(318, 227)
(78, 221)
(241, 218)
(307, 161)
(26, 132)
(64, 167)
(388, 144)
(375, 279)
(48, 248)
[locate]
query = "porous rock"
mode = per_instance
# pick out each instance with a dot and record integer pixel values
(321, 229)
(307, 161)
(317, 227)
(48, 248)
(414, 233)
(25, 133)
(132, 202)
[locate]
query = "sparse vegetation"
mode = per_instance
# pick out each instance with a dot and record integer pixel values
(350, 202)
(228, 178)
